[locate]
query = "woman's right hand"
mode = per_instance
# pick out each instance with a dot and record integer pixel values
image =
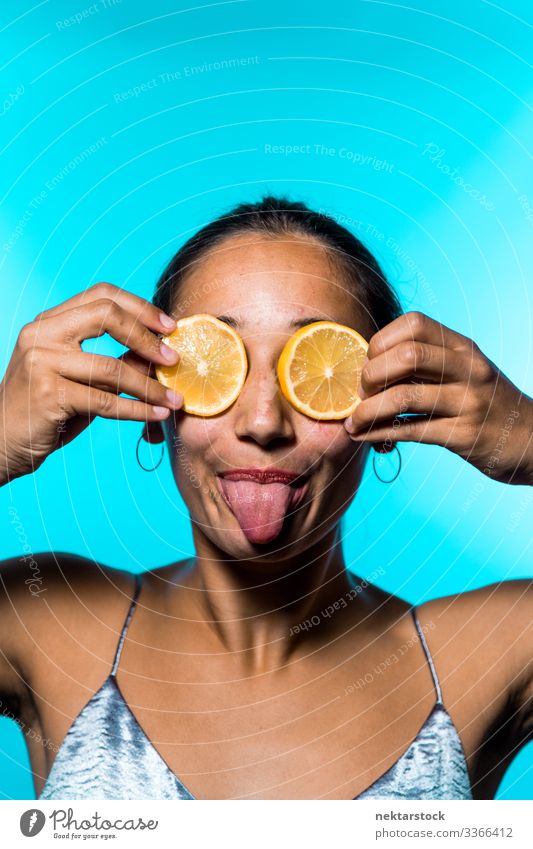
(52, 389)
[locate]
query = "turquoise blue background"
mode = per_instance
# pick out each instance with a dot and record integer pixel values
(101, 182)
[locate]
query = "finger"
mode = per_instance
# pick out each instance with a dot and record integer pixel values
(427, 429)
(108, 373)
(428, 398)
(142, 309)
(412, 358)
(414, 325)
(88, 401)
(106, 316)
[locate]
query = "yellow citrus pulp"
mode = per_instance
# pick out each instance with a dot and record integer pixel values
(319, 369)
(212, 367)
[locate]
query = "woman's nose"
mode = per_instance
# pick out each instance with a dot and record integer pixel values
(261, 411)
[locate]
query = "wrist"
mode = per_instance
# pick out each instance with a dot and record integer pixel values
(523, 473)
(528, 459)
(4, 477)
(8, 469)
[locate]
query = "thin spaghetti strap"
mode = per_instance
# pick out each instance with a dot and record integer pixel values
(428, 656)
(126, 624)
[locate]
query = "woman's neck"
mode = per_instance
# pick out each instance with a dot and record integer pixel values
(267, 615)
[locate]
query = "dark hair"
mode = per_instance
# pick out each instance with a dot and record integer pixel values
(278, 216)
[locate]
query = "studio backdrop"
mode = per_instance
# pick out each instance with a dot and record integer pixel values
(126, 126)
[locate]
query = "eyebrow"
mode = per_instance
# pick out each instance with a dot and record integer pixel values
(295, 323)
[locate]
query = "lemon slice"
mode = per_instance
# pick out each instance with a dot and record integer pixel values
(212, 367)
(319, 369)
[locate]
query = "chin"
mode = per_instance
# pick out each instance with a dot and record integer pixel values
(291, 542)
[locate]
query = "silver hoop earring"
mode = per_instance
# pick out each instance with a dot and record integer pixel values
(145, 468)
(387, 480)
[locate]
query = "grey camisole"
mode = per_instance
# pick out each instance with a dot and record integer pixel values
(107, 755)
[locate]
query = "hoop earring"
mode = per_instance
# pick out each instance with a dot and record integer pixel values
(389, 480)
(145, 468)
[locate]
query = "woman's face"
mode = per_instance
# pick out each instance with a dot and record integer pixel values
(266, 288)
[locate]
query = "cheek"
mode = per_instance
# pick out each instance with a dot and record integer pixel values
(197, 439)
(339, 457)
(193, 433)
(328, 438)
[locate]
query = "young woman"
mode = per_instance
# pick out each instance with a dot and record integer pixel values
(237, 673)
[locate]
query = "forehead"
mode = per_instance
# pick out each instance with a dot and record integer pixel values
(268, 280)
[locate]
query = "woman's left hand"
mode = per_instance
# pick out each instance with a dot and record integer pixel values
(417, 365)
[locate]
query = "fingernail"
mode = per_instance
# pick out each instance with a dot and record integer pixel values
(161, 412)
(167, 321)
(174, 397)
(362, 394)
(348, 424)
(168, 353)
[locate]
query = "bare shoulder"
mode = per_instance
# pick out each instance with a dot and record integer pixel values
(51, 600)
(493, 617)
(482, 645)
(162, 579)
(57, 579)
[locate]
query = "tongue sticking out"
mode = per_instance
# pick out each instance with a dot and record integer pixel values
(259, 508)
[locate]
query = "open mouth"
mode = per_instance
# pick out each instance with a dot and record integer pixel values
(261, 499)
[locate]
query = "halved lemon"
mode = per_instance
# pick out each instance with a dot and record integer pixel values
(319, 369)
(212, 367)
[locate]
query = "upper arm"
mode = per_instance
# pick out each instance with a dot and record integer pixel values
(43, 599)
(14, 612)
(517, 603)
(482, 643)
(501, 618)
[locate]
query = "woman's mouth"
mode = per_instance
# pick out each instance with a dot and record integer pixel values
(261, 499)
